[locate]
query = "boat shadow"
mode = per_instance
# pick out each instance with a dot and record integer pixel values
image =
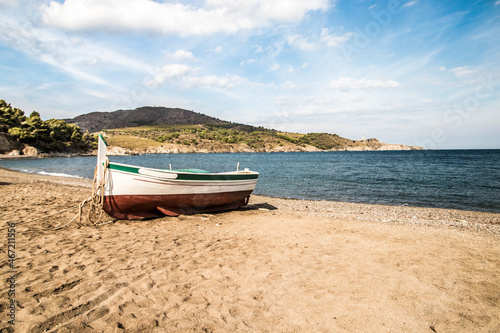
(258, 206)
(250, 207)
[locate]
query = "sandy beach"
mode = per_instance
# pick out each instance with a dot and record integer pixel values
(275, 266)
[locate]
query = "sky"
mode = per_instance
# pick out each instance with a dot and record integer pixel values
(416, 72)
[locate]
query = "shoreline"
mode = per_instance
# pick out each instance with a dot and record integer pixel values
(413, 214)
(333, 203)
(39, 156)
(119, 151)
(276, 265)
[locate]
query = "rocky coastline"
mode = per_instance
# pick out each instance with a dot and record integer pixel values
(12, 148)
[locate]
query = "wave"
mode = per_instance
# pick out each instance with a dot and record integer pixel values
(58, 174)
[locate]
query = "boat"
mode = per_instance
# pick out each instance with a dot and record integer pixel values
(133, 192)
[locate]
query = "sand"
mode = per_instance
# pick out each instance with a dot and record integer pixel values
(276, 266)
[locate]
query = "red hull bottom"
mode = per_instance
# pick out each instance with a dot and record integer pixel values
(129, 207)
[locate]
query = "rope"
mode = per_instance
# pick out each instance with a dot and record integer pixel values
(40, 218)
(97, 197)
(96, 200)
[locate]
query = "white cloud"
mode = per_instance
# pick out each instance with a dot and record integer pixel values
(210, 81)
(275, 49)
(497, 3)
(409, 4)
(281, 11)
(346, 83)
(181, 55)
(167, 72)
(227, 16)
(72, 56)
(214, 81)
(184, 76)
(218, 49)
(462, 71)
(332, 40)
(301, 43)
(249, 61)
(76, 57)
(275, 67)
(288, 85)
(9, 3)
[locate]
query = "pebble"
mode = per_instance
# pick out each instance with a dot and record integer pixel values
(462, 219)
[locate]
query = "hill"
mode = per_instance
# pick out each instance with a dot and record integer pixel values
(143, 116)
(171, 130)
(219, 138)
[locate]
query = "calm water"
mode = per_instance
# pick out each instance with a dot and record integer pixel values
(460, 179)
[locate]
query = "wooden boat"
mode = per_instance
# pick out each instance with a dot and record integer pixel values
(132, 192)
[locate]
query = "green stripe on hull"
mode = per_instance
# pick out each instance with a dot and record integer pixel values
(124, 168)
(188, 176)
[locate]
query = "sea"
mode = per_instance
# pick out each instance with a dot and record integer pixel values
(457, 179)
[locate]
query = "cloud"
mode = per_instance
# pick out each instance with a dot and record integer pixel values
(80, 58)
(226, 16)
(249, 61)
(462, 71)
(72, 56)
(181, 55)
(346, 83)
(409, 4)
(497, 3)
(185, 77)
(281, 11)
(275, 67)
(213, 81)
(275, 49)
(332, 40)
(9, 3)
(210, 81)
(301, 43)
(288, 85)
(167, 72)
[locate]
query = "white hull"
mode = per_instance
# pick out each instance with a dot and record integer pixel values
(131, 192)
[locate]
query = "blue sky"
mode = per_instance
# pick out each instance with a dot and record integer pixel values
(416, 72)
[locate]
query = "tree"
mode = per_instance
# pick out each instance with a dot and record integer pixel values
(10, 117)
(48, 135)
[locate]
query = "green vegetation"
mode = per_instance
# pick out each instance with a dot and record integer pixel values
(219, 137)
(53, 135)
(131, 142)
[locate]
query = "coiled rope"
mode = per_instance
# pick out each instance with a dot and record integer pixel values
(96, 200)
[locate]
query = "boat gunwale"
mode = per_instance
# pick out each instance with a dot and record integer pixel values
(185, 176)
